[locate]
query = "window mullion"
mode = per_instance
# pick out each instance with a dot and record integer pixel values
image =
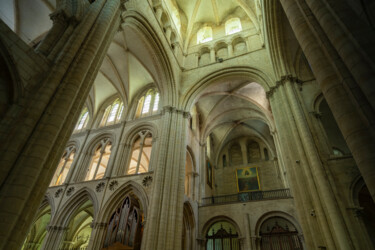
(99, 161)
(140, 154)
(62, 169)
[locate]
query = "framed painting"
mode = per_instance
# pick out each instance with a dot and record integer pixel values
(247, 179)
(209, 173)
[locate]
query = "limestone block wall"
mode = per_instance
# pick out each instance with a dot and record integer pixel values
(225, 178)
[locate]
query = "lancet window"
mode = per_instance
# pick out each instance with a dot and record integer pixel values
(112, 113)
(141, 153)
(64, 166)
(83, 120)
(99, 161)
(148, 104)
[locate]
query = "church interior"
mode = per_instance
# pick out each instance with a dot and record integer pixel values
(187, 124)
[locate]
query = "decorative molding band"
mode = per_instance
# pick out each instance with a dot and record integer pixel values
(171, 109)
(282, 81)
(98, 225)
(316, 114)
(56, 228)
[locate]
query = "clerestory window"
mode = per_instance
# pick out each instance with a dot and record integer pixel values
(64, 166)
(204, 35)
(232, 26)
(148, 104)
(141, 154)
(112, 113)
(99, 160)
(83, 120)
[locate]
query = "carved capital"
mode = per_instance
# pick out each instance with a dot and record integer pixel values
(316, 114)
(281, 82)
(357, 211)
(168, 109)
(186, 114)
(58, 17)
(98, 225)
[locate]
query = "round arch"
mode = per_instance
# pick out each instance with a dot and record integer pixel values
(281, 214)
(215, 219)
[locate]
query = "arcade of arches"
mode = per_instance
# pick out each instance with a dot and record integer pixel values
(194, 125)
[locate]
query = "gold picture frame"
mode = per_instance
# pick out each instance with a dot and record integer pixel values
(247, 179)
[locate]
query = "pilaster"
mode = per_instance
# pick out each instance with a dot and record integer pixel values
(165, 218)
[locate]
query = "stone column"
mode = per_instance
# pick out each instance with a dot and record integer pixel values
(168, 33)
(230, 49)
(212, 55)
(248, 44)
(97, 235)
(60, 22)
(353, 41)
(292, 154)
(350, 106)
(159, 12)
(166, 216)
(53, 238)
(31, 149)
(203, 171)
(325, 194)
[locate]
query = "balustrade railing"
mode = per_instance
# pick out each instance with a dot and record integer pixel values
(247, 197)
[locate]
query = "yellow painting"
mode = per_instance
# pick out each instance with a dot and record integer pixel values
(247, 179)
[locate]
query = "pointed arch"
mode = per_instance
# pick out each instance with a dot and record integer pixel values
(10, 83)
(81, 196)
(159, 66)
(247, 73)
(128, 188)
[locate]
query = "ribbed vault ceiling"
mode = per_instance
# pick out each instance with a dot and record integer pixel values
(234, 108)
(195, 13)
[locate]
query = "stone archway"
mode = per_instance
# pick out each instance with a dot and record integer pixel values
(279, 233)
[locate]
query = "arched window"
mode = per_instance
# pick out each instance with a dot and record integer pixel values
(232, 26)
(189, 175)
(83, 120)
(112, 113)
(148, 104)
(141, 153)
(204, 35)
(99, 161)
(222, 235)
(125, 226)
(64, 166)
